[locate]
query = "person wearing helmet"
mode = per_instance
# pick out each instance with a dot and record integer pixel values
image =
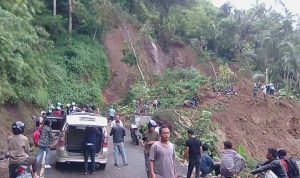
(149, 138)
(49, 112)
(57, 112)
(58, 104)
(68, 109)
(73, 107)
(18, 149)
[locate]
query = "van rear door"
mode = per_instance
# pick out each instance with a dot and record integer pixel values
(76, 124)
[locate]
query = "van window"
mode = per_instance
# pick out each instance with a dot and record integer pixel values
(75, 136)
(56, 123)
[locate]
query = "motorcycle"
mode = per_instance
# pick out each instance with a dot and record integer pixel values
(134, 132)
(20, 170)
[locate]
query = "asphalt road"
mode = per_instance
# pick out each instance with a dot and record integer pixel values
(135, 169)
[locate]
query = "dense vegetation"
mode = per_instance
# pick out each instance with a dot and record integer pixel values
(172, 89)
(260, 39)
(42, 61)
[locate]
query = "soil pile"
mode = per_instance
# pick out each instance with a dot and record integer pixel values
(152, 60)
(256, 124)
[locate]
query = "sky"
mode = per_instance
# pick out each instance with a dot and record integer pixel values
(292, 5)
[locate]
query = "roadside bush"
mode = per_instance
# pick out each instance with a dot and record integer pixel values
(206, 130)
(172, 89)
(21, 69)
(180, 121)
(76, 73)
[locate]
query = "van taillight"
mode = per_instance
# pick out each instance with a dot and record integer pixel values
(61, 141)
(21, 169)
(105, 142)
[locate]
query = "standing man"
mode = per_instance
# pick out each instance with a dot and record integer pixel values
(149, 138)
(118, 134)
(90, 138)
(162, 155)
(113, 123)
(111, 113)
(192, 148)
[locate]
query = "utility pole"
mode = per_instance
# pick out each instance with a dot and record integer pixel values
(70, 16)
(54, 7)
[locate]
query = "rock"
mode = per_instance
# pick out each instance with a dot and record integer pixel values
(264, 132)
(211, 94)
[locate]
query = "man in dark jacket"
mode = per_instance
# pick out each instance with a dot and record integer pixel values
(272, 164)
(192, 148)
(91, 134)
(118, 134)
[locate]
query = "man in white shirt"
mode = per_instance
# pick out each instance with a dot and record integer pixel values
(113, 123)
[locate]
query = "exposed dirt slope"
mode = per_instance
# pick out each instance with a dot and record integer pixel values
(257, 125)
(152, 59)
(9, 114)
(121, 74)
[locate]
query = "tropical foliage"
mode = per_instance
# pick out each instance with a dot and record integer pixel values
(259, 39)
(41, 63)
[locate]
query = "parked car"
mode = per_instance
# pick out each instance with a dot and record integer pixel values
(71, 140)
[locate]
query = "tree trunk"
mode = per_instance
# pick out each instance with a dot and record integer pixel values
(267, 76)
(213, 68)
(95, 34)
(54, 7)
(134, 52)
(70, 17)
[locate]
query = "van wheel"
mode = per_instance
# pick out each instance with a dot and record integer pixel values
(59, 165)
(102, 166)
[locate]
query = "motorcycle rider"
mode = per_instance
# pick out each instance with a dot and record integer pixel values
(18, 149)
(149, 138)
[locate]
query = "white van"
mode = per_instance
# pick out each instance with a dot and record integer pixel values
(71, 140)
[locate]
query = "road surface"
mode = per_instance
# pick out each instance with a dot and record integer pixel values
(135, 169)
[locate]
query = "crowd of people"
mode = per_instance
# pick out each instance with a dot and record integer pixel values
(266, 88)
(61, 110)
(231, 163)
(41, 136)
(228, 90)
(160, 156)
(144, 107)
(159, 152)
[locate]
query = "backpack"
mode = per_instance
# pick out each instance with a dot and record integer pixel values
(293, 170)
(36, 137)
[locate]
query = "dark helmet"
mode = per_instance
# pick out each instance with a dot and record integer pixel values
(18, 127)
(151, 123)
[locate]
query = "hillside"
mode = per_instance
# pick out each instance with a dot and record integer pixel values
(95, 52)
(257, 125)
(152, 58)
